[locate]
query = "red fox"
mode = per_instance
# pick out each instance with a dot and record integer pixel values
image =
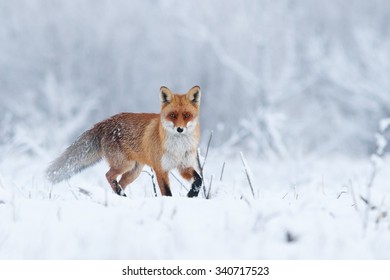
(128, 141)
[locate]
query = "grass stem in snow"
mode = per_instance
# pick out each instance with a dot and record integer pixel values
(211, 182)
(151, 174)
(376, 161)
(223, 169)
(178, 180)
(247, 173)
(201, 166)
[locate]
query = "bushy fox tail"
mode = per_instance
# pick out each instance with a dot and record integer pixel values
(84, 152)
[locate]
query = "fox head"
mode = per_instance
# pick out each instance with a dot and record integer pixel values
(180, 112)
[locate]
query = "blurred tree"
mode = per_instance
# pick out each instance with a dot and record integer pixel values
(282, 76)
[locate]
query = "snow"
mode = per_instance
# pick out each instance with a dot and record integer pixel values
(300, 87)
(381, 143)
(304, 209)
(384, 124)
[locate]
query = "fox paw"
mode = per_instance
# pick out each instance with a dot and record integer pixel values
(192, 193)
(121, 192)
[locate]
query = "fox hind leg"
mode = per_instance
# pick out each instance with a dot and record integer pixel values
(128, 177)
(111, 176)
(118, 189)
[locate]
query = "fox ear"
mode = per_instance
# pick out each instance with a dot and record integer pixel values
(165, 95)
(194, 94)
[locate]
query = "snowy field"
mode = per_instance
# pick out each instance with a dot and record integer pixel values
(307, 208)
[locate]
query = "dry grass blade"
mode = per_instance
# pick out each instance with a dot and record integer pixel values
(201, 166)
(211, 182)
(207, 149)
(223, 169)
(247, 173)
(151, 174)
(180, 182)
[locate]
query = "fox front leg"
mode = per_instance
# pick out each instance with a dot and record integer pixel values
(163, 183)
(190, 173)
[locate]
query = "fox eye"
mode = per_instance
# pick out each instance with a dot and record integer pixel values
(172, 115)
(186, 115)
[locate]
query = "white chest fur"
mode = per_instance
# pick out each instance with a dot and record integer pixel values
(180, 151)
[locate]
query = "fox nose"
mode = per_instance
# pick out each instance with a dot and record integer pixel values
(180, 130)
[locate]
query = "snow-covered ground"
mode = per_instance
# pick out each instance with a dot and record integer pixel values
(309, 208)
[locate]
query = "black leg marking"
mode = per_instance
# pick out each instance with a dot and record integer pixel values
(118, 189)
(167, 189)
(196, 185)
